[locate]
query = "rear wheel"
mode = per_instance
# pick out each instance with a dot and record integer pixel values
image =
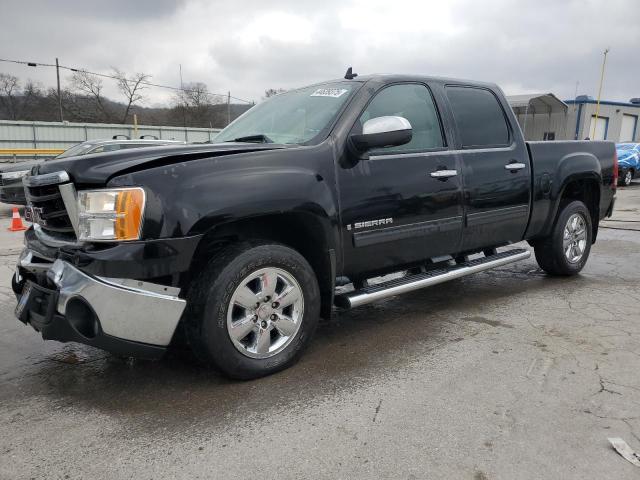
(253, 309)
(566, 250)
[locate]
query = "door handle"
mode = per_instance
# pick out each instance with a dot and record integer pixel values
(515, 166)
(444, 174)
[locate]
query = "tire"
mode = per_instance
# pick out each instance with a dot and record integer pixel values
(626, 179)
(218, 304)
(553, 253)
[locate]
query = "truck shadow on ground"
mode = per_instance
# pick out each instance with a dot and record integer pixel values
(359, 347)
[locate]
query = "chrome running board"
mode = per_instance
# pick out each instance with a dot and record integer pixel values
(409, 283)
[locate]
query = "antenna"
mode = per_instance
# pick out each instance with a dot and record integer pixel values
(350, 75)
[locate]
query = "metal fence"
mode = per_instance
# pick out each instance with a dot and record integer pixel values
(62, 135)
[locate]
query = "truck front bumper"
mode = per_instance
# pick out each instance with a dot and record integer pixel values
(123, 316)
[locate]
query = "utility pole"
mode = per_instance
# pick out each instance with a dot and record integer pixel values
(182, 101)
(135, 125)
(595, 121)
(228, 107)
(59, 95)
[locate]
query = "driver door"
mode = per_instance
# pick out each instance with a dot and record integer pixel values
(395, 208)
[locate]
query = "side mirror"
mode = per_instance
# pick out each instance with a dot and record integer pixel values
(381, 132)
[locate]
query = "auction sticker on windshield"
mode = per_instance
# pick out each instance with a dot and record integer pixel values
(329, 92)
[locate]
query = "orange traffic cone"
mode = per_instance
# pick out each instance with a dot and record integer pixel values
(16, 222)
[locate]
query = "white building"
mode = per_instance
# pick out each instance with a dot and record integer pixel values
(545, 117)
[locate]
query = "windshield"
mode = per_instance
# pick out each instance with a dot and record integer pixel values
(298, 116)
(79, 149)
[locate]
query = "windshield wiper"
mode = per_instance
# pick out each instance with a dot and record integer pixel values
(257, 138)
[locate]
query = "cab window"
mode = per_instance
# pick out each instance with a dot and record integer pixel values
(479, 117)
(413, 102)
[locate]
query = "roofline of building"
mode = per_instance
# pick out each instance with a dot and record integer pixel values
(529, 98)
(603, 102)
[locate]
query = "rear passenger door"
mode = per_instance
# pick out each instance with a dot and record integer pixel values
(496, 174)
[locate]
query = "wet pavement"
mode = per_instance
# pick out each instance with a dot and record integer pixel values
(506, 374)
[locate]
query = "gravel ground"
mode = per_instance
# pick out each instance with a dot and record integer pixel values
(508, 374)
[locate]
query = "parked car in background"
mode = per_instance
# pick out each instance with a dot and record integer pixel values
(11, 190)
(628, 161)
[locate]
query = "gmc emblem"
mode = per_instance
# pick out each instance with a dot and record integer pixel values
(34, 215)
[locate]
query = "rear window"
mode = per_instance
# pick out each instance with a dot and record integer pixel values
(109, 147)
(479, 117)
(80, 149)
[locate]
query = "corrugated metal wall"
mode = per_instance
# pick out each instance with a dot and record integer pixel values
(16, 134)
(534, 126)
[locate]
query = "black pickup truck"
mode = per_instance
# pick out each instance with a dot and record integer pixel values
(239, 246)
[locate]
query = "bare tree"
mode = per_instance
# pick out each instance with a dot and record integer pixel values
(32, 99)
(197, 95)
(76, 107)
(83, 100)
(194, 103)
(91, 86)
(271, 92)
(9, 88)
(131, 88)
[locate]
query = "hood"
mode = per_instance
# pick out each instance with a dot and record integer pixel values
(99, 168)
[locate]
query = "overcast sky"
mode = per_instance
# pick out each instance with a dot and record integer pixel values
(249, 46)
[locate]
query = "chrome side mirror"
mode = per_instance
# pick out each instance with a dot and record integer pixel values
(382, 132)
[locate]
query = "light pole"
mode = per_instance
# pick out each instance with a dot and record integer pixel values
(595, 121)
(59, 95)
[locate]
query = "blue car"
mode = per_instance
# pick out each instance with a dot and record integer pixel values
(628, 162)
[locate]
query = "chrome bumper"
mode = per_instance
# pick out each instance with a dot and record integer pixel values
(127, 309)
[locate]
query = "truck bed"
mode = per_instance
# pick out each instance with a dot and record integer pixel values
(556, 164)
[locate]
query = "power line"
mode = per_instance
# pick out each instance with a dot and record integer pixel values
(113, 77)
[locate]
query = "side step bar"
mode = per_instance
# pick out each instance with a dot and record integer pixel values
(372, 293)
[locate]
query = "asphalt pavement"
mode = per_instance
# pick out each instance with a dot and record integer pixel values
(508, 374)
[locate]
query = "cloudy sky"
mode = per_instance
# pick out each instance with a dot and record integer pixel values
(247, 46)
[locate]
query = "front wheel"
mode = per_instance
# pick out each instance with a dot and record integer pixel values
(566, 250)
(253, 309)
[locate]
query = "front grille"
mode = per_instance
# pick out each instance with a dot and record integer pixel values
(47, 207)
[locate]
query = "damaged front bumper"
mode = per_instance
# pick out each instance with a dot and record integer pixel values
(123, 316)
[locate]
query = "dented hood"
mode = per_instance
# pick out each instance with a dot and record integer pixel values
(97, 169)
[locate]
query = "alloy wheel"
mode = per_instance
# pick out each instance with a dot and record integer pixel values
(627, 178)
(265, 312)
(574, 241)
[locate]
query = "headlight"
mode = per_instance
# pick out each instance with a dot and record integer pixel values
(14, 175)
(110, 215)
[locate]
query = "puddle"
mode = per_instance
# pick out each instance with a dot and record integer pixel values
(75, 355)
